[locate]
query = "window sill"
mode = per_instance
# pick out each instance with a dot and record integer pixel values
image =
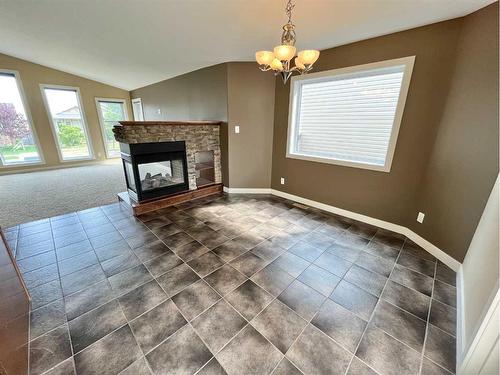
(379, 168)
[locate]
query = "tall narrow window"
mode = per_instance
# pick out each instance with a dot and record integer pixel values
(68, 122)
(110, 111)
(18, 143)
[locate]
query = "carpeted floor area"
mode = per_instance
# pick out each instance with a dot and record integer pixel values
(30, 196)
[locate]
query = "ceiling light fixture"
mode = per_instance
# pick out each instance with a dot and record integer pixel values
(280, 59)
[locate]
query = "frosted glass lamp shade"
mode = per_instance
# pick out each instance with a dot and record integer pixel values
(264, 57)
(308, 56)
(284, 52)
(277, 65)
(299, 64)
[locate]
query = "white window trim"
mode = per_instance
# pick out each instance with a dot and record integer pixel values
(29, 118)
(137, 100)
(44, 86)
(294, 108)
(101, 120)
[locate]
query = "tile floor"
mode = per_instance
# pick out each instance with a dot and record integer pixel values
(232, 284)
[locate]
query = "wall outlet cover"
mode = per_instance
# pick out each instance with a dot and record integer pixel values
(282, 180)
(420, 217)
(237, 129)
(159, 111)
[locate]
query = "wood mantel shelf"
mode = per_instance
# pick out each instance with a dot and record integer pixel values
(168, 123)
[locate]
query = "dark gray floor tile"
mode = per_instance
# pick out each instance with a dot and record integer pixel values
(352, 239)
(130, 279)
(285, 367)
(88, 299)
(340, 324)
(45, 293)
(239, 356)
(175, 241)
(110, 355)
(25, 251)
(446, 274)
(112, 250)
(441, 348)
(315, 353)
(105, 239)
(387, 355)
(49, 350)
(304, 300)
(358, 367)
(273, 279)
(158, 222)
(191, 250)
(381, 250)
(319, 279)
(443, 316)
(248, 264)
(195, 299)
(120, 263)
(141, 239)
(225, 279)
(66, 367)
(345, 252)
(218, 325)
(213, 367)
(279, 324)
(407, 299)
(151, 250)
(139, 367)
(41, 276)
(430, 368)
(177, 279)
(361, 229)
(445, 293)
(354, 299)
(229, 250)
(159, 265)
(413, 249)
(37, 261)
(46, 318)
(69, 239)
(141, 299)
(249, 299)
(95, 324)
(306, 251)
(369, 281)
(417, 264)
(156, 325)
(333, 264)
(400, 324)
(181, 353)
(412, 279)
(286, 240)
(248, 240)
(214, 240)
(73, 250)
(205, 264)
(77, 263)
(389, 238)
(375, 263)
(267, 250)
(34, 238)
(292, 264)
(42, 229)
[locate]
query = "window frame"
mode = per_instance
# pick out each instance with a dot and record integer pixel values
(29, 118)
(139, 101)
(294, 109)
(44, 86)
(101, 120)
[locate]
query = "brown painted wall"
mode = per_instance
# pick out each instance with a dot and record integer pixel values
(387, 196)
(251, 107)
(464, 162)
(32, 75)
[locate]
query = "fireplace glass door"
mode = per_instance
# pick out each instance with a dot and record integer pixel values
(161, 174)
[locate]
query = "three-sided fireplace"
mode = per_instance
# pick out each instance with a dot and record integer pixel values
(154, 170)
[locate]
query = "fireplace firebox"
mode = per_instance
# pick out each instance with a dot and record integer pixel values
(154, 170)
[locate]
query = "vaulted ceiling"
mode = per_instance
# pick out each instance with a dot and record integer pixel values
(132, 43)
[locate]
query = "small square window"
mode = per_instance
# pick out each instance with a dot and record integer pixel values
(349, 116)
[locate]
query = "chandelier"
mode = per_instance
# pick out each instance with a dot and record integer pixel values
(279, 61)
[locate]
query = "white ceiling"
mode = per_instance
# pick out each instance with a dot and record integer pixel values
(133, 43)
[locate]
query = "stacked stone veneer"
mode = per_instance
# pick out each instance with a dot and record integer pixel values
(197, 137)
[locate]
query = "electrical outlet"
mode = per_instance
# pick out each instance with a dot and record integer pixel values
(420, 217)
(237, 129)
(282, 180)
(159, 111)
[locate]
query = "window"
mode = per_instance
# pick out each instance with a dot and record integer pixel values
(349, 116)
(18, 141)
(110, 111)
(137, 109)
(64, 107)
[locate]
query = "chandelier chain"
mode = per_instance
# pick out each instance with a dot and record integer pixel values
(288, 10)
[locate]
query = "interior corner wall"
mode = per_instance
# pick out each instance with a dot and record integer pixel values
(464, 162)
(32, 75)
(251, 107)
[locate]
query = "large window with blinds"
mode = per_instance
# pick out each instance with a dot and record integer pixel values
(349, 116)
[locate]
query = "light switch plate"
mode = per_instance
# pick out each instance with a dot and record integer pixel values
(282, 180)
(237, 129)
(420, 217)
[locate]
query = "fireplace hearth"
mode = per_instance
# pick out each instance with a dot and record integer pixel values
(154, 170)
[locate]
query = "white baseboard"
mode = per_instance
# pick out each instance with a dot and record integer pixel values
(422, 242)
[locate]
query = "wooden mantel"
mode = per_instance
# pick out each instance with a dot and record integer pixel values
(168, 123)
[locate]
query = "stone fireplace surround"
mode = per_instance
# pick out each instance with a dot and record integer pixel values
(198, 135)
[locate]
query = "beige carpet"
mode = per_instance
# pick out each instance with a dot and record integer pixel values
(30, 196)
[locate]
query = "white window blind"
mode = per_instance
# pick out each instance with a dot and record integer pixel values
(348, 117)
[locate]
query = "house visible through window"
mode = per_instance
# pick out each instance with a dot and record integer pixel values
(349, 116)
(18, 143)
(110, 112)
(65, 110)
